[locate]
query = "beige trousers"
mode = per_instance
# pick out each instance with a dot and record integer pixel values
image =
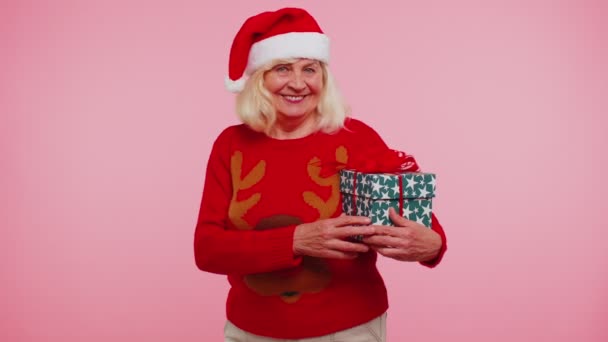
(372, 331)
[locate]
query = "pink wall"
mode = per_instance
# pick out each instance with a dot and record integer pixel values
(108, 110)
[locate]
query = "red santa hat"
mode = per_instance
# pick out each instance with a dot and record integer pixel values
(286, 33)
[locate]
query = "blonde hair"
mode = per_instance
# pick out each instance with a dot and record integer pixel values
(254, 106)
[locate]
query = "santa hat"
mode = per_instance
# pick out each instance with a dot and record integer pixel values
(286, 33)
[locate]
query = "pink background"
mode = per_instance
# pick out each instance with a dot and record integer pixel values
(109, 109)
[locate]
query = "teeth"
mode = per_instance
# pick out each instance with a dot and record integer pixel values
(294, 98)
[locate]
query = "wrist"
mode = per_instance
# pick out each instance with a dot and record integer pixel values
(436, 251)
(296, 245)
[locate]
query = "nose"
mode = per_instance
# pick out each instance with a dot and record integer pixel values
(296, 82)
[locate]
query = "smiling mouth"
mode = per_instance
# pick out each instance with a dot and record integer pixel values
(294, 99)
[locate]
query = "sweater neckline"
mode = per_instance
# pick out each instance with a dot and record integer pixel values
(289, 142)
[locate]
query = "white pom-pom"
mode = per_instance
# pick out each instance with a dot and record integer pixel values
(234, 86)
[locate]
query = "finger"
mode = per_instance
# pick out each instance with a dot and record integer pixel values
(397, 219)
(347, 247)
(347, 220)
(384, 241)
(391, 231)
(332, 254)
(346, 231)
(349, 255)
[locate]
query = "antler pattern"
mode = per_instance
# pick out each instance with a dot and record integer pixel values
(238, 209)
(325, 208)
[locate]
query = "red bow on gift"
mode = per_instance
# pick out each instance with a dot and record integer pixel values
(374, 161)
(382, 161)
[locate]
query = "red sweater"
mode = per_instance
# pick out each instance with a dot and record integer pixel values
(257, 189)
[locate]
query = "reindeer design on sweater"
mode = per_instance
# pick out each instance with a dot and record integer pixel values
(313, 274)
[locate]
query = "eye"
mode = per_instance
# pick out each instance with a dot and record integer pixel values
(310, 70)
(281, 68)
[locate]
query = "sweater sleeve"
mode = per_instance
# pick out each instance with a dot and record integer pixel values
(436, 226)
(220, 250)
(364, 136)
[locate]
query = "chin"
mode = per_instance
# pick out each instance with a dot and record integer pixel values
(293, 112)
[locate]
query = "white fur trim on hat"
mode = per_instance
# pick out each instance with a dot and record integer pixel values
(311, 45)
(234, 86)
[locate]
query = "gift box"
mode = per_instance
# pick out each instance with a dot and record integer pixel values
(372, 194)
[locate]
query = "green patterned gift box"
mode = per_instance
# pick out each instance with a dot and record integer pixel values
(372, 194)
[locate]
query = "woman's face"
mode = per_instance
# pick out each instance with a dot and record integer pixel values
(295, 88)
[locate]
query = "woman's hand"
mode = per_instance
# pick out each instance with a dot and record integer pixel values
(408, 241)
(326, 238)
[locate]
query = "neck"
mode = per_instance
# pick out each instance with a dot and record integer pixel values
(293, 128)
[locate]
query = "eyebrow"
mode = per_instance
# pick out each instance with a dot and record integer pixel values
(315, 63)
(290, 65)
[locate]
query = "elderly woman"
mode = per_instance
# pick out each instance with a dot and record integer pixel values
(270, 218)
